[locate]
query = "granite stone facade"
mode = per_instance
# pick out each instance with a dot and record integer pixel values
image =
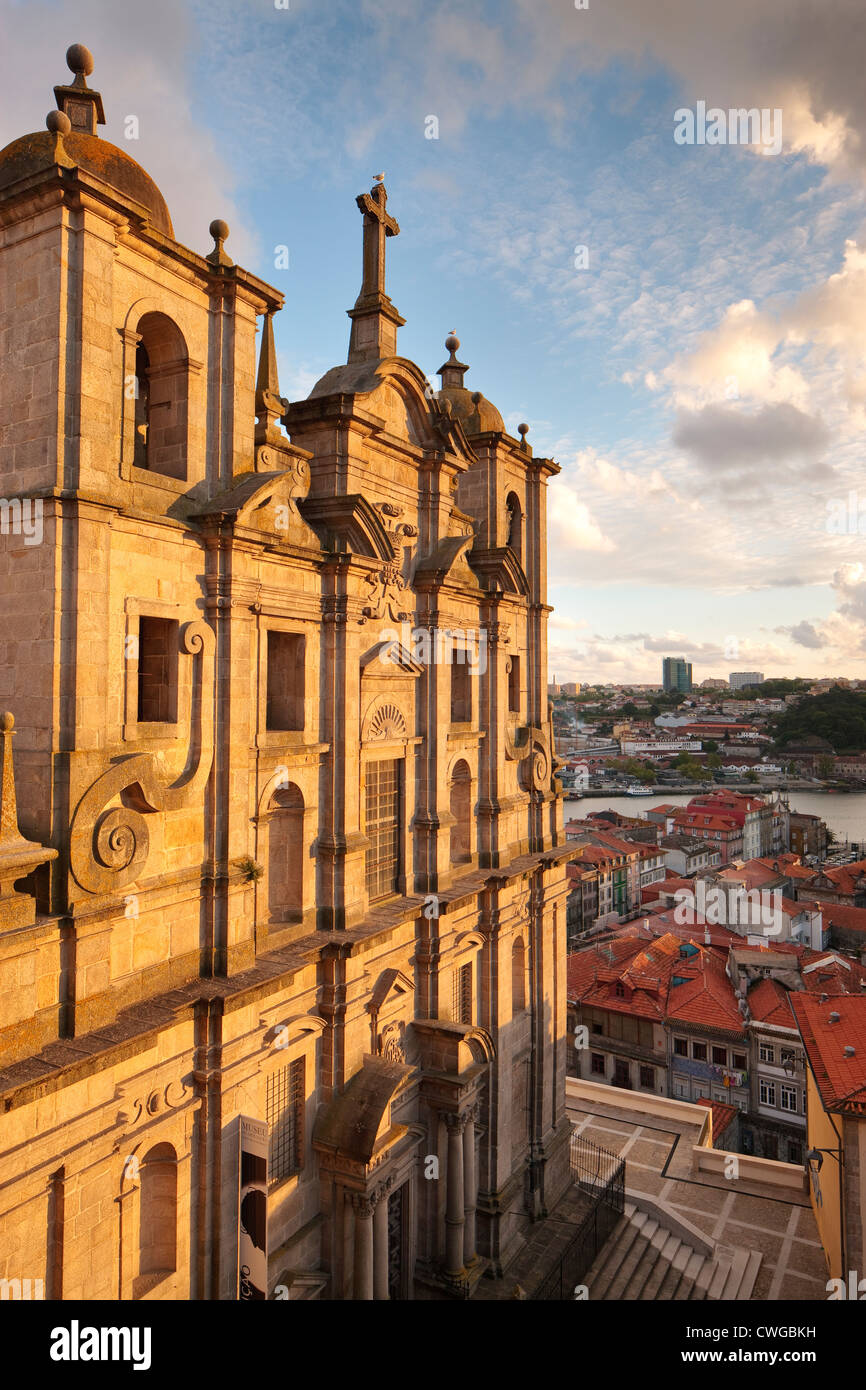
(288, 839)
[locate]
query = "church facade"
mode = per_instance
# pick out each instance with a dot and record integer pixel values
(282, 868)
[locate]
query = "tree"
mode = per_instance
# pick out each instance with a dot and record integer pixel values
(751, 775)
(826, 767)
(710, 745)
(713, 760)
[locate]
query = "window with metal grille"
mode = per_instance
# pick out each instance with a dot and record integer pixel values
(463, 994)
(383, 827)
(284, 1112)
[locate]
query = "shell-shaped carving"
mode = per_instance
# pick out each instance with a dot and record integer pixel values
(386, 722)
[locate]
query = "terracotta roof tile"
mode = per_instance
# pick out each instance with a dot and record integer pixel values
(841, 1079)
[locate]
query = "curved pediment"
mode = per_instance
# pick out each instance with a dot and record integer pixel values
(355, 1122)
(500, 570)
(397, 391)
(352, 524)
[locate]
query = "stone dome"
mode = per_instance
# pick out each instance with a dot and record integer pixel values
(475, 412)
(32, 154)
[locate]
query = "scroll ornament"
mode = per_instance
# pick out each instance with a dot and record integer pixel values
(109, 850)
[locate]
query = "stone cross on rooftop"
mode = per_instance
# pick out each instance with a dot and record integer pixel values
(374, 319)
(378, 224)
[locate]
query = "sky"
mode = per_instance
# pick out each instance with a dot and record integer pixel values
(680, 324)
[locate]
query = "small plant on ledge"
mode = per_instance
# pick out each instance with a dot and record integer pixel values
(250, 870)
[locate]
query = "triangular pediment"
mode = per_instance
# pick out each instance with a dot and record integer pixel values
(392, 984)
(389, 656)
(446, 561)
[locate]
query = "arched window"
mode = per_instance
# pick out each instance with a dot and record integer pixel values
(285, 855)
(518, 976)
(162, 390)
(461, 796)
(514, 513)
(157, 1245)
(142, 405)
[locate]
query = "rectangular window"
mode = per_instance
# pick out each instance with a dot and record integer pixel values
(462, 996)
(720, 1056)
(699, 1051)
(383, 827)
(681, 1086)
(739, 1061)
(681, 1047)
(461, 688)
(514, 684)
(157, 670)
(768, 1092)
(648, 1078)
(285, 681)
(788, 1098)
(284, 1112)
(767, 1053)
(597, 1063)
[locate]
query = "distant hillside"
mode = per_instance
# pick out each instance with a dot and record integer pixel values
(838, 715)
(772, 689)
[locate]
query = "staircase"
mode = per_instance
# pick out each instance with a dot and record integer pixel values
(645, 1260)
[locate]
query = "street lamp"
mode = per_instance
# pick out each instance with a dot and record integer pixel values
(815, 1158)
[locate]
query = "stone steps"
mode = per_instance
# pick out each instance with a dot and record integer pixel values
(645, 1261)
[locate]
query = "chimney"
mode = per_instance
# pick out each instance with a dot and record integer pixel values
(834, 1017)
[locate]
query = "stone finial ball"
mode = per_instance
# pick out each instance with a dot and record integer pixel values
(79, 59)
(523, 429)
(452, 342)
(218, 229)
(58, 123)
(476, 397)
(7, 722)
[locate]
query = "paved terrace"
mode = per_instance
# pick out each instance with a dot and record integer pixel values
(668, 1159)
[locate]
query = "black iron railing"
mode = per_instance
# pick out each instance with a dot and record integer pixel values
(601, 1175)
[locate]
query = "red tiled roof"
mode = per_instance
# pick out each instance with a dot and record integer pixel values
(613, 842)
(722, 1116)
(706, 996)
(841, 915)
(828, 972)
(844, 876)
(707, 820)
(769, 1002)
(841, 1080)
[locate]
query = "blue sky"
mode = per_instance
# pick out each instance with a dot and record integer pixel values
(702, 381)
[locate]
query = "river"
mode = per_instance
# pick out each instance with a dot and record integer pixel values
(844, 812)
